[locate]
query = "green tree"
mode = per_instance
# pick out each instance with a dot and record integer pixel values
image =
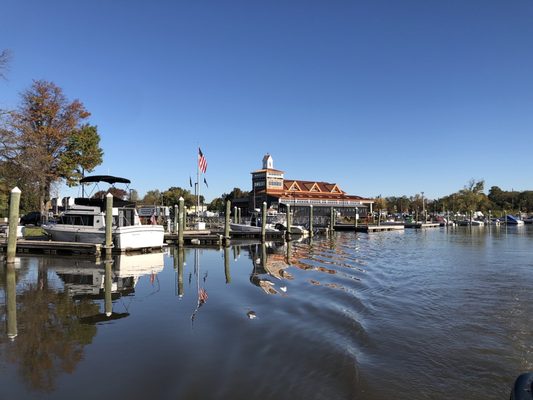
(236, 193)
(152, 197)
(82, 154)
(217, 205)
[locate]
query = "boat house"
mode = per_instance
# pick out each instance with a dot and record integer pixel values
(269, 185)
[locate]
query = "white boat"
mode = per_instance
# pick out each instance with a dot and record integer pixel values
(470, 222)
(247, 228)
(85, 222)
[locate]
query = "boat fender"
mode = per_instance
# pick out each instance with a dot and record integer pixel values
(523, 387)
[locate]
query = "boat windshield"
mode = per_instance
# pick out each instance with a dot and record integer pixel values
(74, 219)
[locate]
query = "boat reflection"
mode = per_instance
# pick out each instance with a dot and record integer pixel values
(54, 314)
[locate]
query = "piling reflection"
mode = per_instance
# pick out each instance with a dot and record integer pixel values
(11, 293)
(269, 267)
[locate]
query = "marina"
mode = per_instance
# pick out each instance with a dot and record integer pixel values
(414, 304)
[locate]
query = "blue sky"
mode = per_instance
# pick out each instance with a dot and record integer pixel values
(381, 97)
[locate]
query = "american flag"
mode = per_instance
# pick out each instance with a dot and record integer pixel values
(202, 162)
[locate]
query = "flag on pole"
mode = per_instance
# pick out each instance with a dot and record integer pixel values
(206, 185)
(202, 162)
(190, 181)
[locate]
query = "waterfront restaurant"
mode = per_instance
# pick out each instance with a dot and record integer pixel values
(269, 185)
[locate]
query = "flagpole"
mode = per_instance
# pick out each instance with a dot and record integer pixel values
(198, 184)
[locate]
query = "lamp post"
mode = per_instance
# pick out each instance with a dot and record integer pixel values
(423, 208)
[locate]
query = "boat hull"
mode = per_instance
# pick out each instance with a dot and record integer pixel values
(242, 228)
(124, 238)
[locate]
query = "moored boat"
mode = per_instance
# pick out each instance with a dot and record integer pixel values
(85, 222)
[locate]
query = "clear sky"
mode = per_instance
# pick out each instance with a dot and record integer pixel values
(381, 97)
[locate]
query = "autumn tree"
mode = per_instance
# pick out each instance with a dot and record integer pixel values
(47, 141)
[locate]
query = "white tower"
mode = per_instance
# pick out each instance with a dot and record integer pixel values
(268, 162)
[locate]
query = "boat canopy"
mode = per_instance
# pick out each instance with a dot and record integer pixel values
(104, 178)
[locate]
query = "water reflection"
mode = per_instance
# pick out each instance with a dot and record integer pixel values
(48, 324)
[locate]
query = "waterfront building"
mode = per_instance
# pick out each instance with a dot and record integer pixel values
(269, 185)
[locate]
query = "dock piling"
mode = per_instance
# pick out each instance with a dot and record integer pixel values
(14, 204)
(176, 219)
(108, 223)
(181, 220)
(289, 219)
(227, 221)
(263, 221)
(311, 221)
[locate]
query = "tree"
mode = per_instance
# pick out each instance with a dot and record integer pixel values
(236, 193)
(82, 154)
(116, 192)
(217, 205)
(48, 140)
(152, 197)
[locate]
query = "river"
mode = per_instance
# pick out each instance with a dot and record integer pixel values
(415, 314)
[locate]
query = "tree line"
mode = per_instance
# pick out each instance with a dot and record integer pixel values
(470, 198)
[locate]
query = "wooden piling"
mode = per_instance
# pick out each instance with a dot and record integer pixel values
(176, 219)
(235, 219)
(263, 221)
(356, 217)
(227, 220)
(181, 220)
(331, 219)
(289, 218)
(239, 215)
(108, 223)
(311, 221)
(14, 203)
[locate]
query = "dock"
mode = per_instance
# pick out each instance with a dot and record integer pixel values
(50, 247)
(208, 238)
(422, 225)
(369, 228)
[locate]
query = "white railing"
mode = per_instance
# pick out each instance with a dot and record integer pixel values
(322, 202)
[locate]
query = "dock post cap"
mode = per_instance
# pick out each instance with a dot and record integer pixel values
(181, 198)
(264, 202)
(15, 190)
(108, 195)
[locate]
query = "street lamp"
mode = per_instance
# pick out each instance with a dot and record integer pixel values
(423, 208)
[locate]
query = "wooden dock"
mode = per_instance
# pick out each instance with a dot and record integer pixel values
(59, 248)
(201, 237)
(208, 238)
(422, 225)
(369, 228)
(379, 228)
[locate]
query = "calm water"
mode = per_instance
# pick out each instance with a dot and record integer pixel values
(429, 314)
